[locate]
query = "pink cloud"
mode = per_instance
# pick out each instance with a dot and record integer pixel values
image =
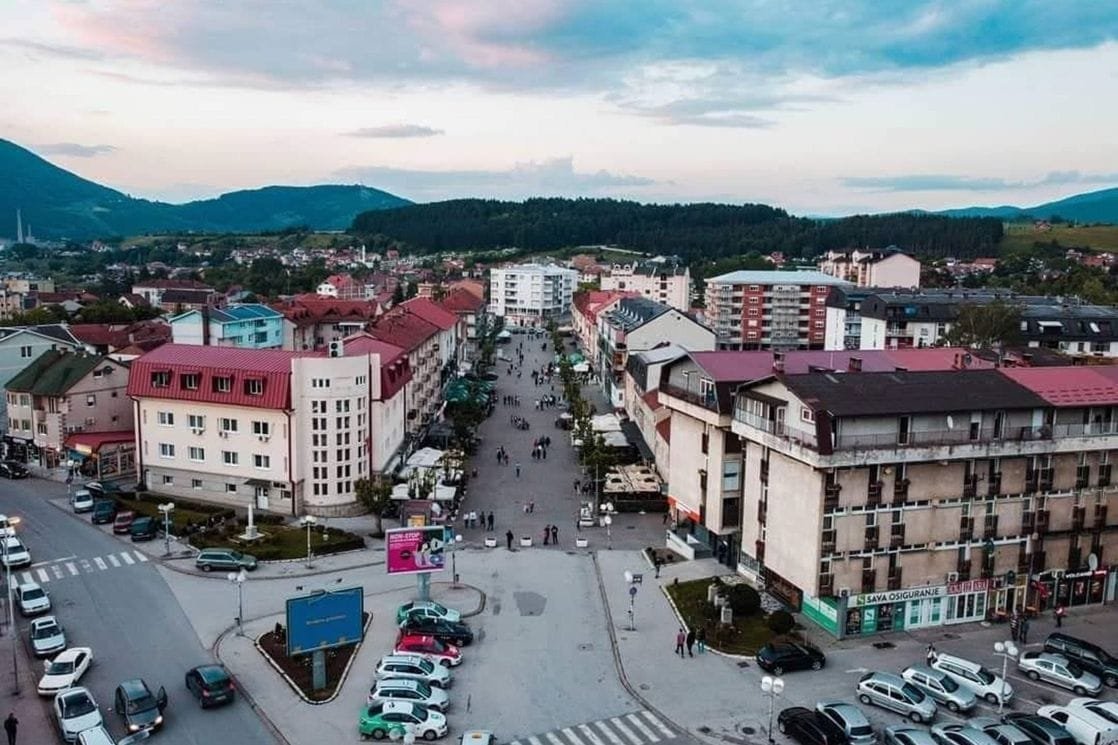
(482, 32)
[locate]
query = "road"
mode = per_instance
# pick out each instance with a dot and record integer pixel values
(109, 598)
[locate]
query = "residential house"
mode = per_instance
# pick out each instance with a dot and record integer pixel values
(586, 307)
(177, 295)
(19, 346)
(888, 268)
(250, 325)
(313, 322)
(471, 311)
(665, 280)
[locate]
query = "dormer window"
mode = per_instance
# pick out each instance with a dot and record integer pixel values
(223, 384)
(190, 381)
(254, 387)
(161, 379)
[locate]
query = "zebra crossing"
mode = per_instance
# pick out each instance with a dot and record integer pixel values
(634, 728)
(64, 568)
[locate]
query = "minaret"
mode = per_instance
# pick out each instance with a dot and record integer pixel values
(19, 226)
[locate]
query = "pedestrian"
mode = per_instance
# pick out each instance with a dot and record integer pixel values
(518, 469)
(664, 521)
(525, 508)
(1061, 611)
(543, 452)
(1024, 633)
(680, 640)
(490, 519)
(508, 539)
(481, 518)
(1014, 625)
(10, 726)
(546, 534)
(930, 654)
(656, 565)
(531, 506)
(690, 643)
(555, 535)
(701, 639)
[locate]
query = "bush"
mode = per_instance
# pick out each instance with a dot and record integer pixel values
(781, 622)
(743, 600)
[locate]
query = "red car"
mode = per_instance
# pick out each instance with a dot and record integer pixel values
(123, 522)
(446, 655)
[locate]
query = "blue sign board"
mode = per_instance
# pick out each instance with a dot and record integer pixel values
(324, 619)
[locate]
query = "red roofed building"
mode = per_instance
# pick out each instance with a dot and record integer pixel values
(471, 310)
(312, 321)
(587, 306)
(177, 295)
(341, 287)
(421, 340)
(389, 377)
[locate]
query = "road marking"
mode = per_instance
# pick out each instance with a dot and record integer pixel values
(589, 734)
(657, 723)
(570, 733)
(57, 571)
(608, 732)
(636, 722)
(533, 740)
(625, 730)
(113, 560)
(26, 577)
(140, 556)
(43, 576)
(127, 558)
(99, 562)
(73, 568)
(52, 561)
(86, 566)
(858, 670)
(554, 739)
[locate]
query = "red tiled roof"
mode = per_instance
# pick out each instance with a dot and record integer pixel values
(461, 300)
(395, 370)
(1069, 386)
(303, 310)
(432, 312)
(404, 329)
(652, 399)
(472, 286)
(94, 440)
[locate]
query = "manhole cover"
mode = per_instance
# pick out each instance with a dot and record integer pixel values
(743, 663)
(704, 729)
(748, 731)
(884, 645)
(585, 647)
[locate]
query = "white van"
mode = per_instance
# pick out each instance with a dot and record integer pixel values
(1086, 726)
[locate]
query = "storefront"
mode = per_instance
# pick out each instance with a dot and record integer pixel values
(966, 601)
(1086, 587)
(895, 610)
(102, 455)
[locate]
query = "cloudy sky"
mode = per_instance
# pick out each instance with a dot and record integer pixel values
(820, 106)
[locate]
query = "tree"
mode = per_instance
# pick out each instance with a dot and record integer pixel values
(374, 495)
(780, 622)
(993, 324)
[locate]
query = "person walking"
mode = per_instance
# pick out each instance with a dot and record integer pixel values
(1014, 626)
(690, 643)
(680, 640)
(546, 534)
(1024, 632)
(508, 540)
(490, 522)
(656, 563)
(531, 506)
(518, 469)
(11, 724)
(1061, 611)
(701, 639)
(555, 535)
(930, 655)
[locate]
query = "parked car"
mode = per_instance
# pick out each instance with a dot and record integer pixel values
(144, 529)
(210, 685)
(7, 527)
(81, 501)
(15, 554)
(809, 727)
(941, 687)
(1091, 657)
(122, 523)
(1003, 734)
(1085, 725)
(1107, 710)
(1040, 730)
(1058, 670)
(906, 734)
(64, 670)
(850, 719)
(104, 511)
(102, 489)
(893, 692)
(961, 734)
(409, 689)
(32, 599)
(425, 609)
(47, 636)
(76, 710)
(778, 657)
(100, 736)
(448, 632)
(138, 706)
(447, 655)
(209, 559)
(392, 718)
(10, 469)
(985, 684)
(413, 666)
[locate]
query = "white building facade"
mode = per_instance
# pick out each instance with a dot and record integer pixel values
(530, 294)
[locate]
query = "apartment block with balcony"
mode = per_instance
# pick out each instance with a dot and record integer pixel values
(889, 268)
(246, 325)
(913, 499)
(666, 281)
(425, 345)
(751, 310)
(531, 294)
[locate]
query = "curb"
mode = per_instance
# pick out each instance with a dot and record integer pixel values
(256, 708)
(712, 650)
(341, 681)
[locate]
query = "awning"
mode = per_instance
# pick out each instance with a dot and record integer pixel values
(258, 482)
(636, 439)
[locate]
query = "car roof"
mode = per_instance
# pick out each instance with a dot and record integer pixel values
(74, 691)
(1050, 656)
(930, 672)
(846, 710)
(134, 687)
(882, 677)
(397, 683)
(69, 653)
(412, 658)
(407, 706)
(44, 621)
(29, 585)
(212, 673)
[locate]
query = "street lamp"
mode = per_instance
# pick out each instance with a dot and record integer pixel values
(772, 687)
(167, 509)
(12, 521)
(308, 522)
(238, 578)
(632, 579)
(452, 546)
(1007, 651)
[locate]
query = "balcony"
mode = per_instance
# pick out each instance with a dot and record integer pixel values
(900, 490)
(871, 537)
(994, 485)
(895, 578)
(873, 494)
(869, 580)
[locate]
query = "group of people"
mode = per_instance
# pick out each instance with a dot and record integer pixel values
(510, 400)
(1019, 627)
(687, 640)
(539, 447)
(518, 422)
(546, 402)
(551, 532)
(502, 456)
(476, 520)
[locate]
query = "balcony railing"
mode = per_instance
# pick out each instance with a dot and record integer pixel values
(707, 400)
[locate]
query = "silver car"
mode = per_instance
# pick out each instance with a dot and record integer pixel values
(409, 689)
(985, 684)
(1003, 734)
(961, 734)
(906, 734)
(941, 687)
(47, 636)
(850, 719)
(893, 692)
(1059, 670)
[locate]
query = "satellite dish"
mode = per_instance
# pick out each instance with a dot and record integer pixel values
(950, 422)
(1092, 561)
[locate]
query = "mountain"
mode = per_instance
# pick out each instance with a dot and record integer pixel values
(1095, 206)
(58, 204)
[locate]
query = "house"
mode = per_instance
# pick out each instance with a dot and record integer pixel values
(665, 280)
(313, 322)
(420, 340)
(20, 345)
(177, 295)
(252, 325)
(470, 309)
(342, 287)
(888, 268)
(643, 405)
(586, 307)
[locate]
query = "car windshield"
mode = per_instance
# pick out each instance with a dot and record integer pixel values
(236, 555)
(60, 668)
(423, 689)
(426, 666)
(142, 703)
(861, 729)
(912, 693)
(44, 631)
(438, 609)
(1075, 670)
(948, 684)
(33, 594)
(985, 675)
(77, 706)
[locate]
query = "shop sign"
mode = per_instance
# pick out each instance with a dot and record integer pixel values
(899, 596)
(1085, 573)
(968, 586)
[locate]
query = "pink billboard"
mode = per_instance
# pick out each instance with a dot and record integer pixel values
(412, 550)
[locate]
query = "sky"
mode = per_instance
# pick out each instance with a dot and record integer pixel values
(823, 107)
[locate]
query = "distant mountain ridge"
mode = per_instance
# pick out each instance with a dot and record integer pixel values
(56, 204)
(1095, 206)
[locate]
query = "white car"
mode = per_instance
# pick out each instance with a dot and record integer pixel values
(47, 636)
(64, 670)
(32, 599)
(81, 501)
(14, 553)
(977, 678)
(414, 667)
(6, 527)
(409, 689)
(76, 711)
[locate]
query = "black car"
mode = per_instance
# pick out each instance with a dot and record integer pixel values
(1091, 657)
(10, 469)
(144, 529)
(778, 657)
(1041, 730)
(103, 489)
(104, 511)
(138, 706)
(210, 684)
(448, 632)
(809, 727)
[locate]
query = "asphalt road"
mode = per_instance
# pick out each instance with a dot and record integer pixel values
(108, 598)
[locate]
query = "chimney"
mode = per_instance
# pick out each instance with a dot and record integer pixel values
(855, 364)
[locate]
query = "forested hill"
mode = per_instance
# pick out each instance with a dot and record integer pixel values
(709, 231)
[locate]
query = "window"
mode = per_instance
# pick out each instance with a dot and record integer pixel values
(168, 480)
(807, 415)
(166, 450)
(91, 399)
(254, 387)
(230, 488)
(25, 352)
(166, 419)
(320, 382)
(190, 381)
(731, 475)
(197, 454)
(261, 429)
(196, 483)
(229, 457)
(42, 428)
(262, 462)
(227, 425)
(223, 384)
(161, 379)
(196, 421)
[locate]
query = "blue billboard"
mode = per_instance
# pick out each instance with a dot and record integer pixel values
(324, 619)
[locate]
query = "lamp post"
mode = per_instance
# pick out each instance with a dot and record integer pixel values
(238, 578)
(308, 522)
(772, 687)
(12, 521)
(608, 520)
(452, 546)
(1007, 651)
(166, 509)
(632, 612)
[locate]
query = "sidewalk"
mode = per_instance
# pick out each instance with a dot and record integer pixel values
(36, 724)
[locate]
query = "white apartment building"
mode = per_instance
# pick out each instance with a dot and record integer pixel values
(888, 268)
(530, 294)
(666, 281)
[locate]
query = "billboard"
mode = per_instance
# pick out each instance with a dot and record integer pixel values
(415, 550)
(324, 619)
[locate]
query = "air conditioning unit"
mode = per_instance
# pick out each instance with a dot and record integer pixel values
(952, 577)
(197, 430)
(223, 433)
(263, 438)
(337, 348)
(844, 592)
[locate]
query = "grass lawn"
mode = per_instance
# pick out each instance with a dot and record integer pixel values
(1098, 237)
(280, 541)
(180, 517)
(745, 636)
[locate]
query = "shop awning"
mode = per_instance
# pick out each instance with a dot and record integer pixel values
(636, 439)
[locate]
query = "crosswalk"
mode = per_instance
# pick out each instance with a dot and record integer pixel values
(635, 728)
(64, 568)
